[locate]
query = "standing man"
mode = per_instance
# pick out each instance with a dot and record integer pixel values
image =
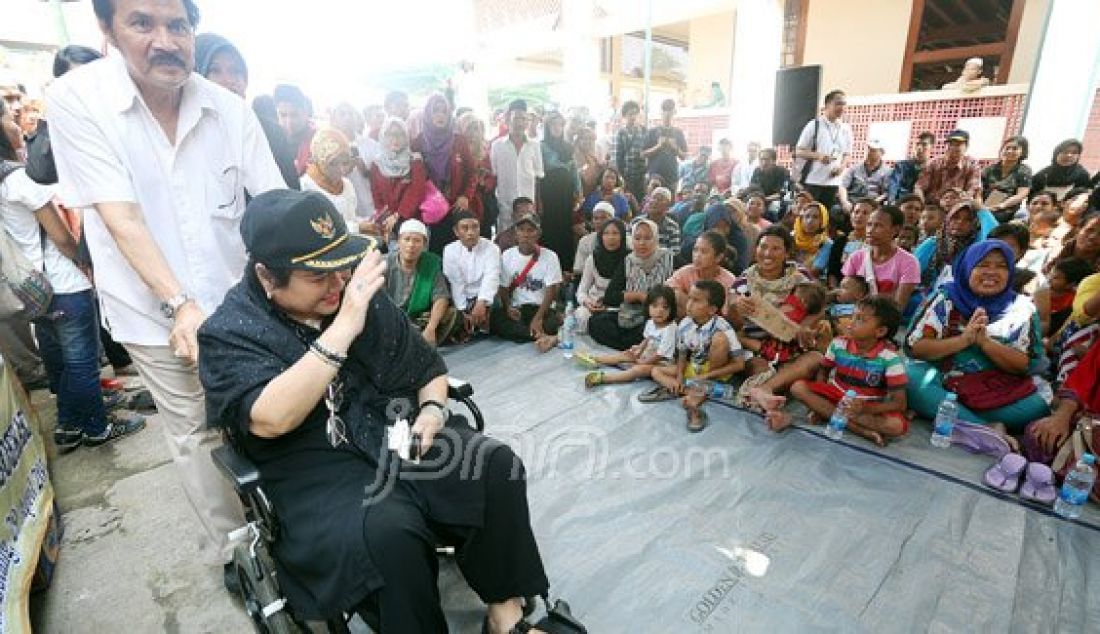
(824, 147)
(517, 162)
(952, 170)
(295, 113)
(163, 157)
(630, 143)
(697, 170)
(903, 180)
(665, 148)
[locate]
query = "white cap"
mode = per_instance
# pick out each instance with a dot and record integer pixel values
(663, 192)
(876, 144)
(413, 225)
(604, 206)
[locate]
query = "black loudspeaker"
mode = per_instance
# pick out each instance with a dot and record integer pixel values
(797, 100)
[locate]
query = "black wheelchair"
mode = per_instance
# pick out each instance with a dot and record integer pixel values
(253, 563)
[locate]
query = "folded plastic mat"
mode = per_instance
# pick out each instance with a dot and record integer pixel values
(642, 525)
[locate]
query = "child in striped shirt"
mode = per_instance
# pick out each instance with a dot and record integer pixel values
(865, 361)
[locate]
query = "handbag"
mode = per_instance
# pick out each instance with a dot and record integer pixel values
(989, 389)
(1085, 438)
(803, 168)
(27, 291)
(435, 207)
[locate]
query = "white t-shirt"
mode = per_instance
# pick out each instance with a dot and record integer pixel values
(20, 197)
(659, 341)
(833, 138)
(546, 272)
(346, 202)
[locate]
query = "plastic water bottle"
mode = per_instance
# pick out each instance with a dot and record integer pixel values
(839, 419)
(568, 328)
(1076, 488)
(945, 422)
(714, 390)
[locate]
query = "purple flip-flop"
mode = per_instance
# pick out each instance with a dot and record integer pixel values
(1039, 485)
(1004, 475)
(979, 439)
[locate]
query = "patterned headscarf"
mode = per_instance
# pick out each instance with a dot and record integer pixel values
(327, 145)
(949, 247)
(394, 164)
(810, 243)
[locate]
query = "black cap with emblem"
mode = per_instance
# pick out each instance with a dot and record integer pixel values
(288, 229)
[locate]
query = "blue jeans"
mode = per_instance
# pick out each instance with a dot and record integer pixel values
(69, 344)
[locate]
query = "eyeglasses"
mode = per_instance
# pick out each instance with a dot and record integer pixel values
(334, 426)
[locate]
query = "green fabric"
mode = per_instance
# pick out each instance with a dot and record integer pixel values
(925, 391)
(420, 297)
(693, 226)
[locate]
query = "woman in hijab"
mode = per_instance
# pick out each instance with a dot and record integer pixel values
(1064, 172)
(960, 229)
(303, 364)
(559, 190)
(976, 324)
(717, 217)
(451, 167)
(643, 268)
(218, 60)
(483, 204)
(330, 163)
(606, 259)
(811, 234)
(398, 179)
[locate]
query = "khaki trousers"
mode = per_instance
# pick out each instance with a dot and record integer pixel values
(181, 412)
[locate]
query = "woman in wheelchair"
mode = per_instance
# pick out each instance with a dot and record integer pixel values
(304, 364)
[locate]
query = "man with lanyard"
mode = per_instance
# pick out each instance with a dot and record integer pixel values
(953, 169)
(824, 147)
(164, 158)
(869, 179)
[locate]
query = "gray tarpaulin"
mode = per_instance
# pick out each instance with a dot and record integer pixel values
(645, 527)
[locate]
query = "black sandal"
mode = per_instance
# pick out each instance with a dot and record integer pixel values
(559, 619)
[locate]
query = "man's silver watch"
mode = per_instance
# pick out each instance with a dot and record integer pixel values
(169, 308)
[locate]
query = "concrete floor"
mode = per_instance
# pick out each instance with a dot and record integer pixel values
(130, 555)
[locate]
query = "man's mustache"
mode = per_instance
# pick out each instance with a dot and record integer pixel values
(167, 59)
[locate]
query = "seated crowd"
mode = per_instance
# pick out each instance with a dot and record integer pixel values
(710, 279)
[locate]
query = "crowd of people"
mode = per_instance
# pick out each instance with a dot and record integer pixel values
(903, 283)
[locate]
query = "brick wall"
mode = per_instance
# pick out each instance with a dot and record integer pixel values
(936, 116)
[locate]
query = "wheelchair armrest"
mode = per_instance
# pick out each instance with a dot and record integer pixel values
(458, 390)
(241, 472)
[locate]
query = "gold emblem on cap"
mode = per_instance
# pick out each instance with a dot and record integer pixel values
(324, 226)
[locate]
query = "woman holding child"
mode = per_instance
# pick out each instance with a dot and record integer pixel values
(643, 268)
(772, 279)
(978, 338)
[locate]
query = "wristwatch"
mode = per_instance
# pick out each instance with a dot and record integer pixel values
(444, 411)
(169, 308)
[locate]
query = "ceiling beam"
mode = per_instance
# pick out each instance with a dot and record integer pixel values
(915, 18)
(958, 52)
(963, 32)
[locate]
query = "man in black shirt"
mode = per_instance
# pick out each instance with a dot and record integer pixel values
(665, 148)
(772, 179)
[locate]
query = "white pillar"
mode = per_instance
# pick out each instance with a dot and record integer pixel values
(757, 40)
(581, 57)
(1065, 78)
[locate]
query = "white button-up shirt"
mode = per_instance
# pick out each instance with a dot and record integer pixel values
(834, 138)
(516, 172)
(109, 148)
(472, 273)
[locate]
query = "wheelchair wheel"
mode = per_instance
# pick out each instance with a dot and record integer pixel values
(259, 591)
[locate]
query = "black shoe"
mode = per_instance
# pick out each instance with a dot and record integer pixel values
(117, 427)
(67, 439)
(231, 580)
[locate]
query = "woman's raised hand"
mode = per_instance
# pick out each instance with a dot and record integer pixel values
(368, 277)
